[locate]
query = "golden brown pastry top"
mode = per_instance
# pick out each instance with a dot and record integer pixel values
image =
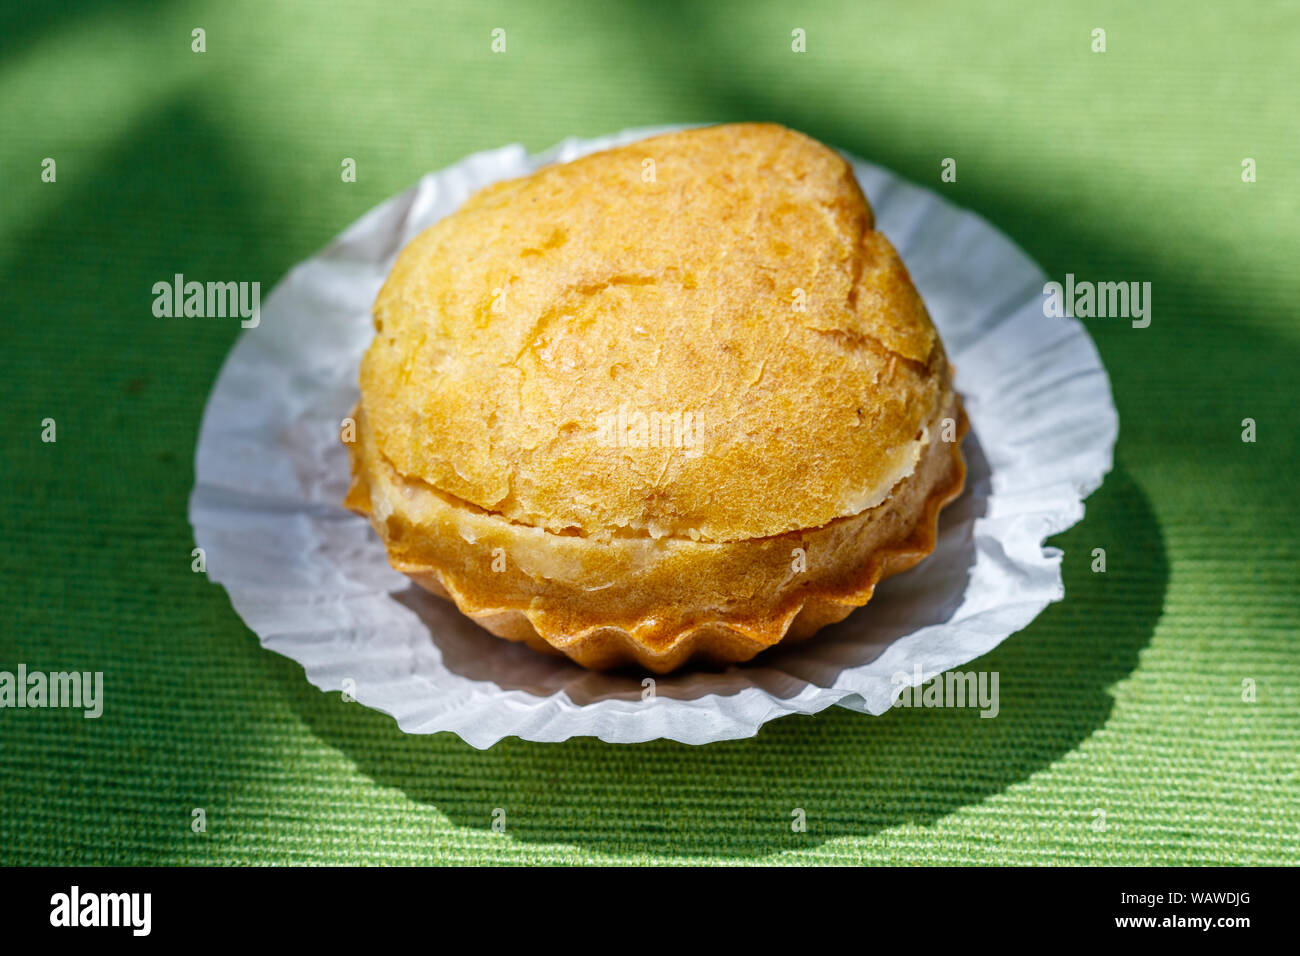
(730, 273)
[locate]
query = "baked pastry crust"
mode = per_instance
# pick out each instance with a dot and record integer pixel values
(726, 280)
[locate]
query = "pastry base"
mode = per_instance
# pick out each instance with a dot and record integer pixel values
(653, 604)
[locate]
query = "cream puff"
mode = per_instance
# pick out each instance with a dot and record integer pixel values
(677, 401)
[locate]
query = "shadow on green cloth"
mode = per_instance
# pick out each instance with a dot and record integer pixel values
(23, 24)
(851, 774)
(95, 572)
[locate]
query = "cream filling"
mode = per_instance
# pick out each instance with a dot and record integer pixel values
(579, 560)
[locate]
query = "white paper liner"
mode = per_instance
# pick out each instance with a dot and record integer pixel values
(313, 582)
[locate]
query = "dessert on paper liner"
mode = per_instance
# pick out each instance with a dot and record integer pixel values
(314, 581)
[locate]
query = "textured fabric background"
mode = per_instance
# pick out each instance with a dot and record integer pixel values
(1125, 698)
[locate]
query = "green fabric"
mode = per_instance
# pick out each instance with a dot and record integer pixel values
(1123, 165)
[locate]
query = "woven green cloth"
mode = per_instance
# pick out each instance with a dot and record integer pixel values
(1123, 735)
